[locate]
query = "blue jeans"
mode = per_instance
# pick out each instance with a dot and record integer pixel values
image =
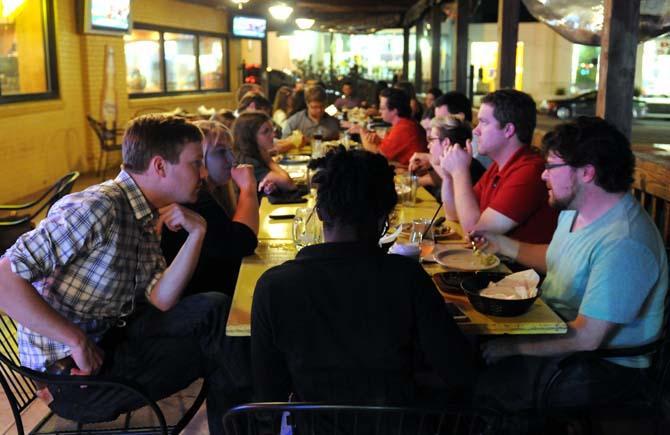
(165, 352)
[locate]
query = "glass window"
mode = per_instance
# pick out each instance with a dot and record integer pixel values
(159, 61)
(25, 68)
(180, 68)
(143, 61)
(210, 60)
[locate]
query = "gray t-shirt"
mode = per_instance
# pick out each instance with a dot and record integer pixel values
(329, 126)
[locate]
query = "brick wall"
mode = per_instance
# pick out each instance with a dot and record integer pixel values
(41, 141)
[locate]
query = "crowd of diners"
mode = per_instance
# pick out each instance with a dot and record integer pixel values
(133, 277)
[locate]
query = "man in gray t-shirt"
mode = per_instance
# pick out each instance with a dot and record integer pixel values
(313, 120)
(606, 274)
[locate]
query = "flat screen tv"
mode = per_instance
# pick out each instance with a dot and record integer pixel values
(106, 17)
(245, 26)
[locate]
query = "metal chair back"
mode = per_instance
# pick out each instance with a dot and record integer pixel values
(312, 418)
(18, 382)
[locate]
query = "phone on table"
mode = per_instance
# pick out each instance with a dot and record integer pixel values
(456, 313)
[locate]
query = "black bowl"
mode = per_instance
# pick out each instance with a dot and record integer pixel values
(495, 307)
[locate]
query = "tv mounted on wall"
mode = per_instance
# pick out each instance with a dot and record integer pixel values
(106, 17)
(246, 26)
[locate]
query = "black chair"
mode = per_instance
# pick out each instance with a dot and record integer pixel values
(109, 142)
(15, 223)
(314, 418)
(18, 383)
(652, 401)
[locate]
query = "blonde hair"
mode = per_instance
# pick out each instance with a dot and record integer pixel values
(216, 134)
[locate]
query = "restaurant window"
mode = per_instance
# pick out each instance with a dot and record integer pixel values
(27, 62)
(143, 62)
(210, 58)
(165, 61)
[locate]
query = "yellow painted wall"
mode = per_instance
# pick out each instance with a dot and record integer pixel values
(40, 141)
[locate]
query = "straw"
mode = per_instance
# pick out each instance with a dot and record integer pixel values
(439, 207)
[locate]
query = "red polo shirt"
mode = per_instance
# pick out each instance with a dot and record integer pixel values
(518, 192)
(403, 139)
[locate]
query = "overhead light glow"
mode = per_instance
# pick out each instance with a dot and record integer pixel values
(304, 23)
(239, 3)
(9, 7)
(280, 11)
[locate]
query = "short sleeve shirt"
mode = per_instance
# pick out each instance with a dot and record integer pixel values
(615, 269)
(518, 192)
(405, 138)
(329, 126)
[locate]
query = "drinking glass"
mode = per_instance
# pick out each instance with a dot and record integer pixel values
(307, 228)
(425, 241)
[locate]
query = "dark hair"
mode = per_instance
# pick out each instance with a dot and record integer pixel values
(315, 93)
(437, 92)
(407, 88)
(260, 103)
(589, 140)
(245, 88)
(354, 188)
(245, 129)
(514, 107)
(347, 83)
(397, 100)
(456, 103)
(297, 102)
(156, 135)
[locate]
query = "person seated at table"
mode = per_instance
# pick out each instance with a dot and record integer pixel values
(225, 117)
(432, 94)
(347, 100)
(510, 198)
(444, 133)
(282, 106)
(313, 120)
(247, 88)
(90, 289)
(253, 140)
(405, 137)
(254, 102)
(607, 275)
(227, 239)
(344, 321)
(414, 104)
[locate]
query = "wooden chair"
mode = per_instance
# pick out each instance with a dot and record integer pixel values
(314, 418)
(14, 223)
(18, 383)
(109, 140)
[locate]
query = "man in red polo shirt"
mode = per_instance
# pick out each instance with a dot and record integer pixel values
(511, 197)
(405, 137)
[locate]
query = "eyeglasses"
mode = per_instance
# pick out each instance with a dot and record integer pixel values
(433, 138)
(550, 166)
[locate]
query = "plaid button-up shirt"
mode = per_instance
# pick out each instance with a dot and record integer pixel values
(89, 258)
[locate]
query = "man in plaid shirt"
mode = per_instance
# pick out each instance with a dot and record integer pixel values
(91, 290)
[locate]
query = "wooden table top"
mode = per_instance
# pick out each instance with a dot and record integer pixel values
(275, 246)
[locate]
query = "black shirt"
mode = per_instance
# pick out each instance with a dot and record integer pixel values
(226, 242)
(346, 322)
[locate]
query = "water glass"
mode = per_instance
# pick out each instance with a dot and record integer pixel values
(307, 228)
(423, 236)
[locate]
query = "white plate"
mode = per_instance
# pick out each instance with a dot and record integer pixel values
(464, 259)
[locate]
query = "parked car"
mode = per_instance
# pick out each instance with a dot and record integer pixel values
(658, 106)
(583, 105)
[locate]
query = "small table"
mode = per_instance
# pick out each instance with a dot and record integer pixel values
(275, 246)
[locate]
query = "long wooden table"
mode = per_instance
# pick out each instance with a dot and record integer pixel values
(275, 246)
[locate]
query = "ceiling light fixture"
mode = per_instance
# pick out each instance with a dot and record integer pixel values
(239, 3)
(304, 23)
(280, 11)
